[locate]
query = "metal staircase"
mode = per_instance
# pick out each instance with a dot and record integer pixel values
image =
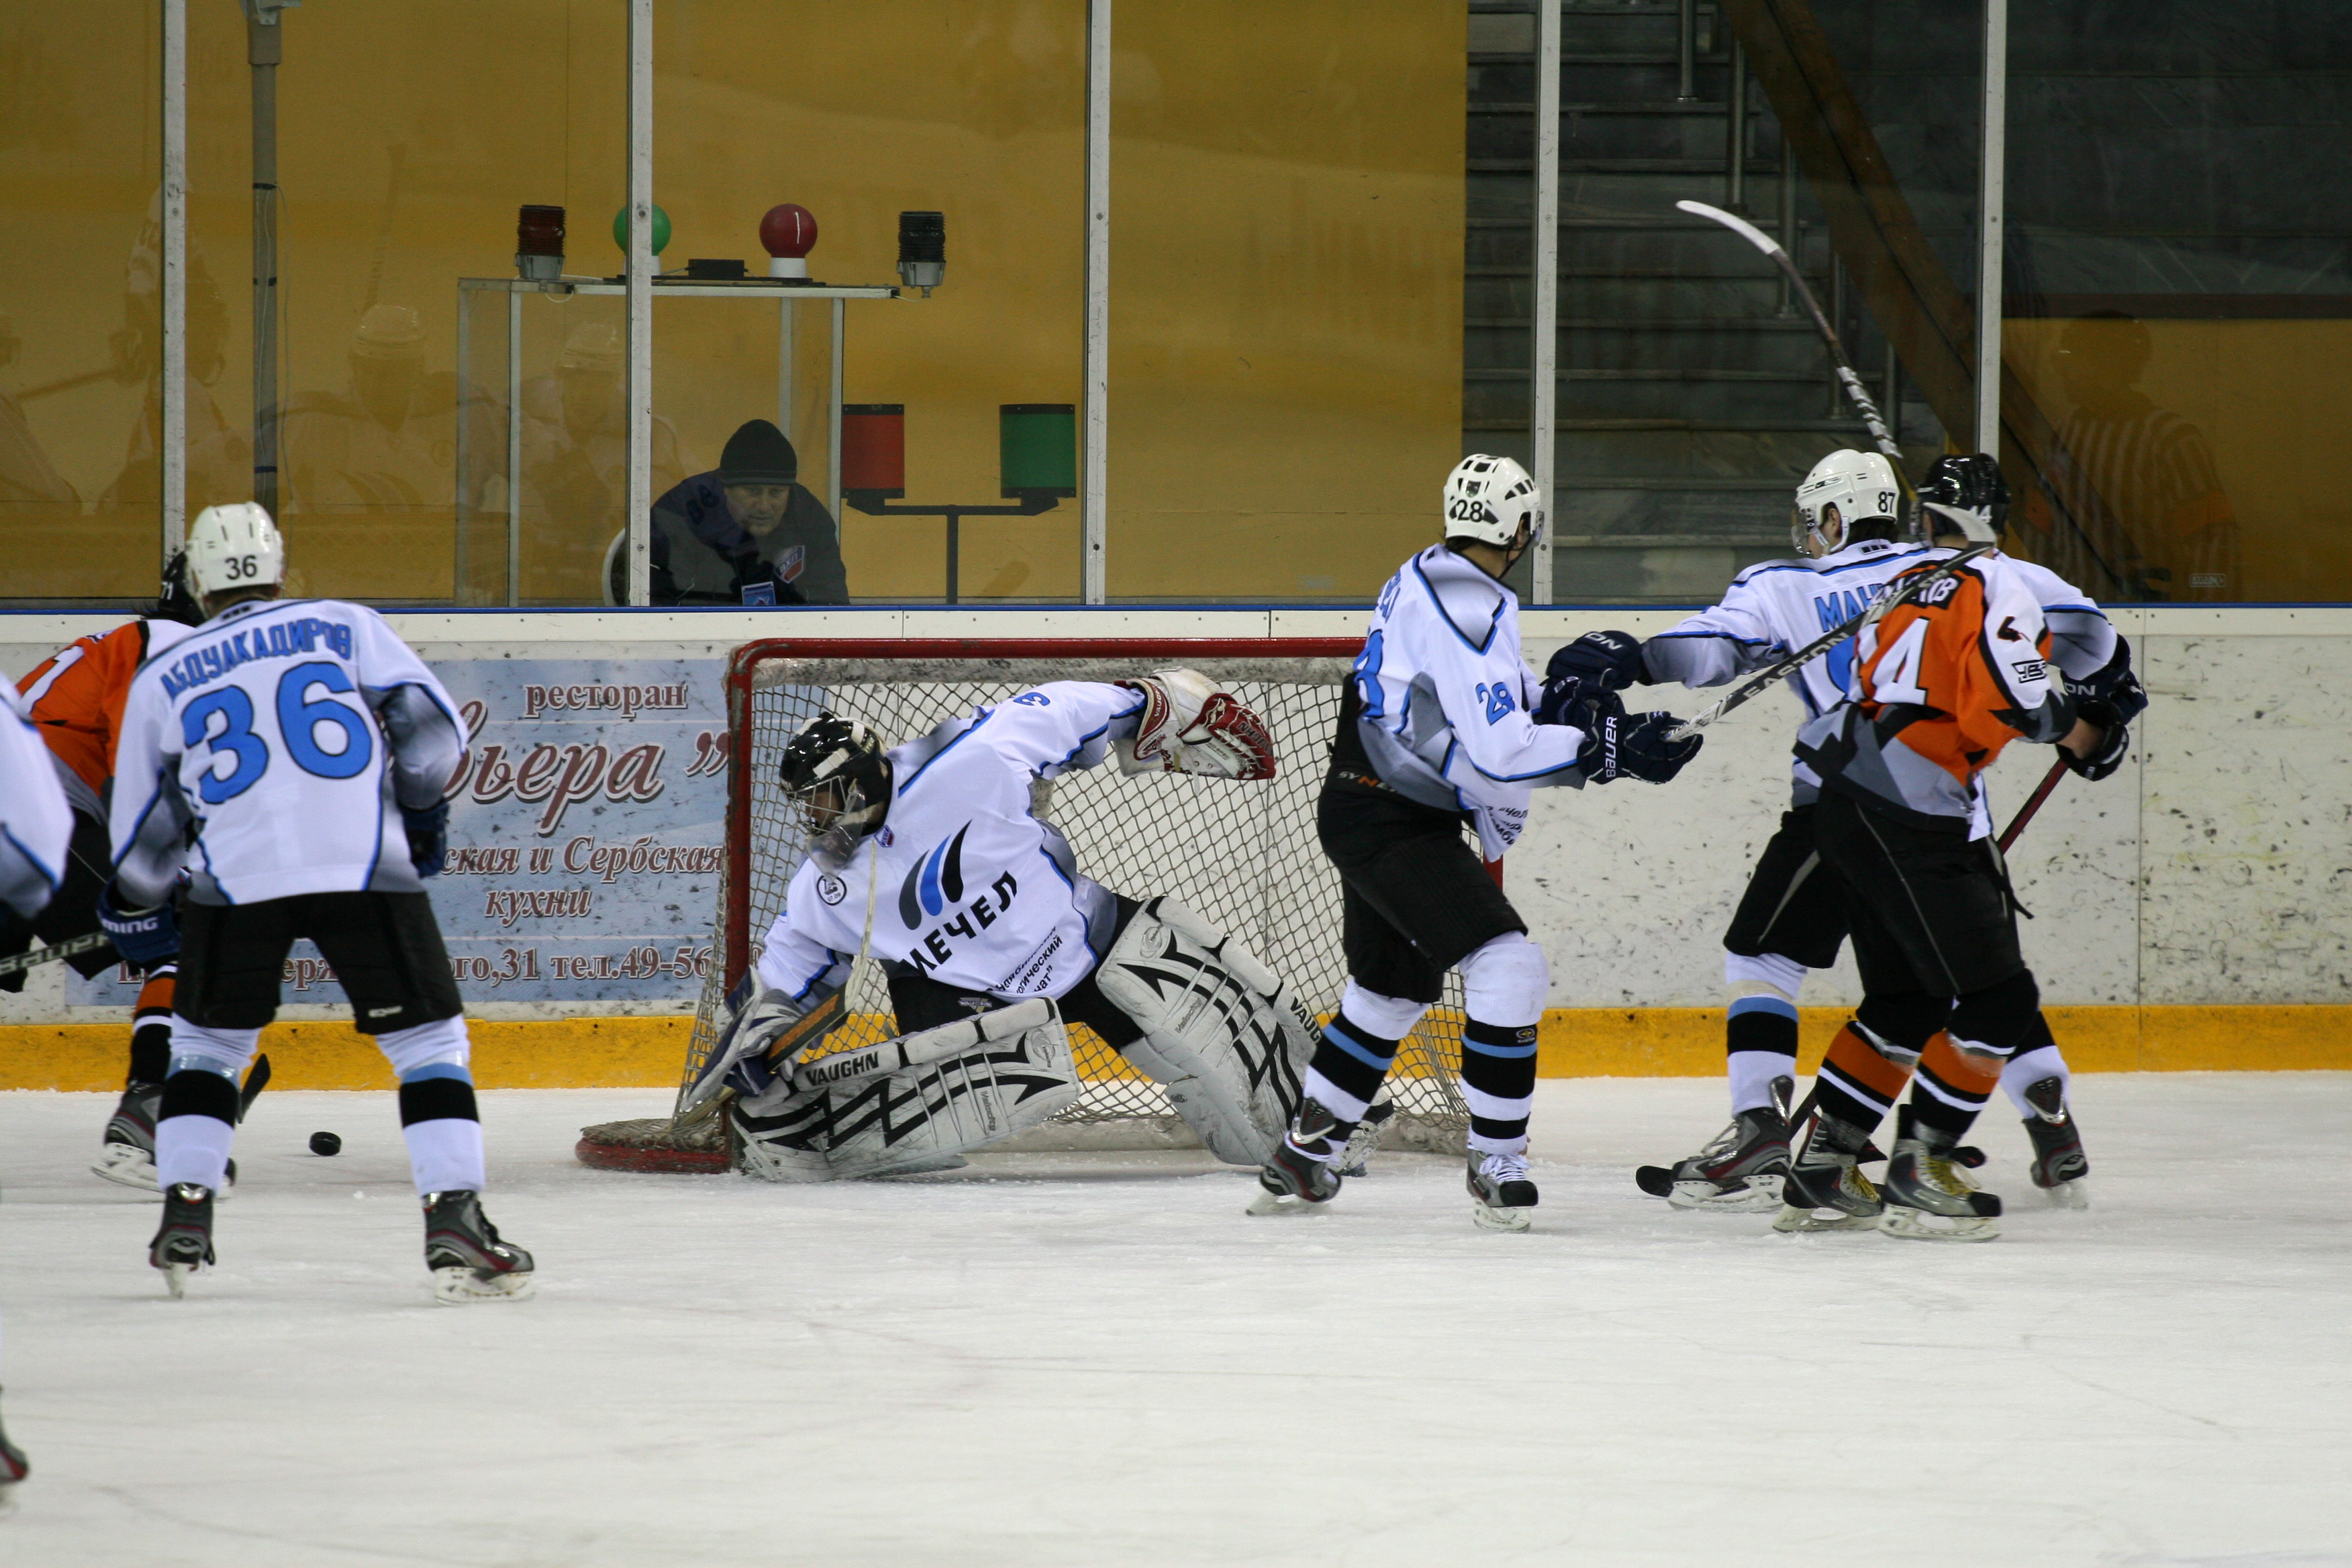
(1692, 394)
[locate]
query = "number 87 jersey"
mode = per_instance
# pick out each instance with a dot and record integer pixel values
(271, 752)
(1941, 683)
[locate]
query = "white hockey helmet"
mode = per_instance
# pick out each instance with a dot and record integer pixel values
(1861, 485)
(234, 546)
(1487, 499)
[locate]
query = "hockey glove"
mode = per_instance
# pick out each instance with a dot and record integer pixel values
(428, 838)
(1619, 744)
(2115, 685)
(144, 937)
(2113, 745)
(1604, 661)
(1188, 726)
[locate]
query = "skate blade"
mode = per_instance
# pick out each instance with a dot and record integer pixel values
(1486, 1216)
(2074, 1194)
(1282, 1205)
(1916, 1224)
(462, 1288)
(1760, 1195)
(128, 1165)
(1794, 1221)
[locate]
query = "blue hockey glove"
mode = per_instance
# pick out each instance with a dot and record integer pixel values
(428, 838)
(144, 937)
(1619, 745)
(1604, 661)
(2115, 686)
(1573, 699)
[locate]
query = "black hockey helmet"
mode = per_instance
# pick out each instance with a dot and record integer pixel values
(173, 602)
(1965, 495)
(838, 780)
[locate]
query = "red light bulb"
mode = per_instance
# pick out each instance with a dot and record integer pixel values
(788, 234)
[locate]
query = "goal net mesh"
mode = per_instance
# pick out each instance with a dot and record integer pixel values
(1243, 854)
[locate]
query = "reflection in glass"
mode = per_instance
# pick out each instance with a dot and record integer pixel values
(2132, 507)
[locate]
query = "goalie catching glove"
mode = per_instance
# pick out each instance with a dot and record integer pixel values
(1188, 726)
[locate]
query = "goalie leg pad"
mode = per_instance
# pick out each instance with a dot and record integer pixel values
(1222, 1033)
(966, 1085)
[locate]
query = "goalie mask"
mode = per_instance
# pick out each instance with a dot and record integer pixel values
(1487, 499)
(1849, 495)
(1965, 495)
(837, 779)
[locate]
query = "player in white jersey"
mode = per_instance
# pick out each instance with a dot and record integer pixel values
(1791, 921)
(931, 856)
(35, 827)
(289, 760)
(1443, 725)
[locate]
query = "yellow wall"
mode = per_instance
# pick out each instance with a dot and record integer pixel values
(1286, 193)
(2272, 397)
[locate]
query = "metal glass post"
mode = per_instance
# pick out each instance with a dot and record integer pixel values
(832, 415)
(641, 296)
(514, 449)
(1735, 133)
(1543, 416)
(1094, 482)
(265, 47)
(1991, 196)
(174, 282)
(784, 367)
(1686, 51)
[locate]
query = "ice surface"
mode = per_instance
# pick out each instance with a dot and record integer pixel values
(1098, 1361)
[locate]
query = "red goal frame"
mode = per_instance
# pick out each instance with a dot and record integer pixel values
(1145, 651)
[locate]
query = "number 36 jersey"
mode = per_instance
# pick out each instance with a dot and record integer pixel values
(270, 751)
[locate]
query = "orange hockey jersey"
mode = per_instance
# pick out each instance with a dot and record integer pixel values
(75, 700)
(1940, 685)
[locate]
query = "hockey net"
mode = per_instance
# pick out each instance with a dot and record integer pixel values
(1244, 855)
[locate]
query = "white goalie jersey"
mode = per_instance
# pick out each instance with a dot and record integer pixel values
(962, 882)
(271, 752)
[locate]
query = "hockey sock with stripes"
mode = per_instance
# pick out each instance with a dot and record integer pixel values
(1759, 1038)
(196, 1129)
(1498, 1081)
(1951, 1087)
(1859, 1083)
(150, 1028)
(1345, 1075)
(444, 1129)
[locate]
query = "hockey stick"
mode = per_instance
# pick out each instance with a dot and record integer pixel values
(86, 942)
(926, 1046)
(1773, 674)
(1847, 378)
(255, 1082)
(2025, 813)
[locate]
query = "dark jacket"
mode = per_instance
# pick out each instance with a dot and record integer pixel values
(701, 555)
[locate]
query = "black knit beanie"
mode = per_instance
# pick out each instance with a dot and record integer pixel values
(758, 453)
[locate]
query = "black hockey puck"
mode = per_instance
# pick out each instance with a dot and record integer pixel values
(325, 1143)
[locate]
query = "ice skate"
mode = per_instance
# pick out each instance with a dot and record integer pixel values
(126, 1151)
(1741, 1172)
(1303, 1174)
(13, 1468)
(1355, 1159)
(1823, 1176)
(2059, 1162)
(184, 1242)
(1929, 1195)
(470, 1263)
(1501, 1197)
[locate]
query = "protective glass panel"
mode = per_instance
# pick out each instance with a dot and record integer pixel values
(81, 314)
(1287, 195)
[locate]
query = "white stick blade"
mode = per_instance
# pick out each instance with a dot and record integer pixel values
(1737, 224)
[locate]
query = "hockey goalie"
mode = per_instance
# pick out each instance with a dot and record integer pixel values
(931, 856)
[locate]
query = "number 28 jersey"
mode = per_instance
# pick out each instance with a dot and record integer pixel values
(270, 751)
